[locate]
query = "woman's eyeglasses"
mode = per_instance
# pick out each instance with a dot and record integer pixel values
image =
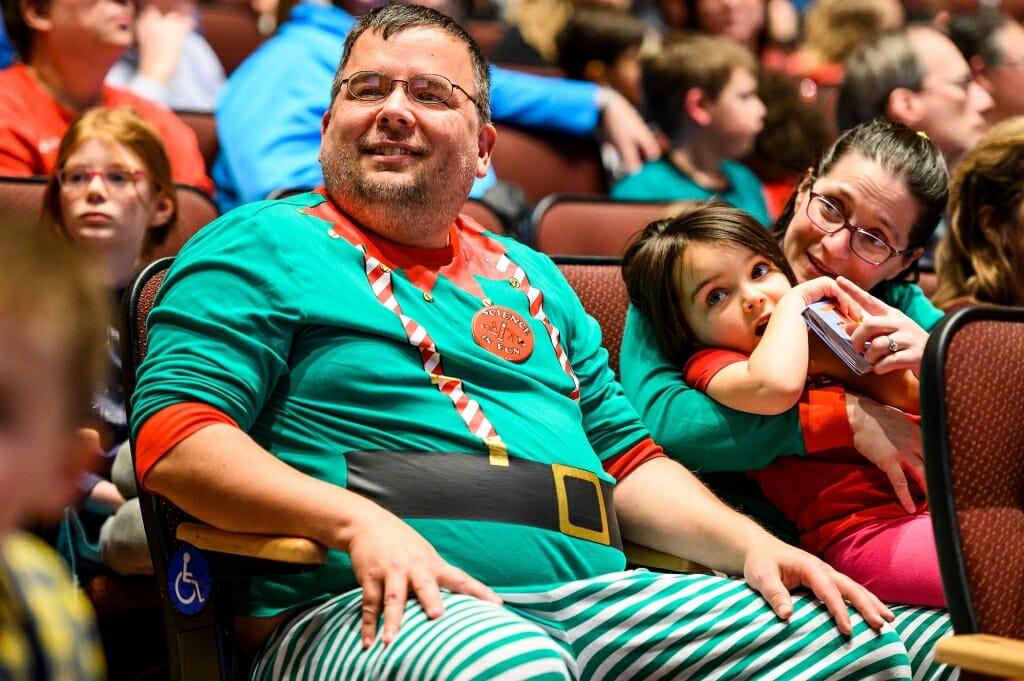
(426, 88)
(829, 218)
(116, 180)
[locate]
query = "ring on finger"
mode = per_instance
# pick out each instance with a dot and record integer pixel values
(893, 347)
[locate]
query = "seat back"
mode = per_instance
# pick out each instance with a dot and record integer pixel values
(232, 29)
(199, 631)
(196, 644)
(21, 201)
(482, 213)
(543, 163)
(598, 283)
(972, 409)
(567, 224)
(195, 210)
(21, 205)
(204, 125)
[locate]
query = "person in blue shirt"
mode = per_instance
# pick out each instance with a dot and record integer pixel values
(269, 113)
(6, 49)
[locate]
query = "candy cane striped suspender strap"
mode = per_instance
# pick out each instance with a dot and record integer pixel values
(536, 298)
(379, 276)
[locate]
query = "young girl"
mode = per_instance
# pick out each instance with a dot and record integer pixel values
(112, 196)
(724, 303)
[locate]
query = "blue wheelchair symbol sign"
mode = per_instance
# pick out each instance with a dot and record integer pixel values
(188, 580)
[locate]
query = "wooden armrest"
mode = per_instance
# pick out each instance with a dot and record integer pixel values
(982, 653)
(294, 550)
(644, 556)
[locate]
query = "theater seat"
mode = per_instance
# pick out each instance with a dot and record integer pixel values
(972, 419)
(573, 224)
(199, 626)
(543, 163)
(21, 200)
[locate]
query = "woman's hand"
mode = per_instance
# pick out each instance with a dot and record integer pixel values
(888, 439)
(891, 340)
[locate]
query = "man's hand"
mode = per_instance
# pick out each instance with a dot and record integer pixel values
(774, 569)
(388, 558)
(160, 33)
(624, 127)
(888, 439)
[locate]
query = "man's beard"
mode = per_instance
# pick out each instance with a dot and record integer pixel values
(403, 201)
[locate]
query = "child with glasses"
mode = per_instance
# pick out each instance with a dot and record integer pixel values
(731, 317)
(111, 194)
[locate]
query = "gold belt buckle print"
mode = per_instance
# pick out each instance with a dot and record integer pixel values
(565, 525)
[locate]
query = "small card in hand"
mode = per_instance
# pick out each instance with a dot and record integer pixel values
(829, 323)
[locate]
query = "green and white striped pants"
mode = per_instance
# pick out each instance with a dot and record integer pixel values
(628, 625)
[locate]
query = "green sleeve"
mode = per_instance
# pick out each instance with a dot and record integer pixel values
(690, 426)
(911, 300)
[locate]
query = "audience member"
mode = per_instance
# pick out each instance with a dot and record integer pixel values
(111, 195)
(993, 45)
(915, 76)
(879, 185)
(795, 134)
(981, 256)
(602, 45)
(732, 317)
(532, 27)
(832, 29)
(171, 62)
(66, 49)
(702, 92)
(6, 50)
(259, 368)
(268, 120)
(531, 38)
(765, 27)
(1013, 8)
(51, 323)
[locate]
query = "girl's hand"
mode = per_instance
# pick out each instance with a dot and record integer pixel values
(824, 288)
(891, 340)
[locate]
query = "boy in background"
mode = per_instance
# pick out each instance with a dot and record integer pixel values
(52, 321)
(603, 45)
(701, 90)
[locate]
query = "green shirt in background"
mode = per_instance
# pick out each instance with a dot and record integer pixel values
(659, 180)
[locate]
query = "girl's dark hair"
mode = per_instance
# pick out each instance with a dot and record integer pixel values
(909, 156)
(651, 265)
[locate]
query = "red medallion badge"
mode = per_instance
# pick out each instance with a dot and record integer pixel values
(503, 332)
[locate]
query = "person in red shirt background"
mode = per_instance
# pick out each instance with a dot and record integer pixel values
(66, 48)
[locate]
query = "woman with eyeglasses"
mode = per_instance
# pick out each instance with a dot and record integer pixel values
(732, 321)
(112, 195)
(864, 212)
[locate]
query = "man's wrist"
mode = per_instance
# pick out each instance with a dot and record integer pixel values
(605, 96)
